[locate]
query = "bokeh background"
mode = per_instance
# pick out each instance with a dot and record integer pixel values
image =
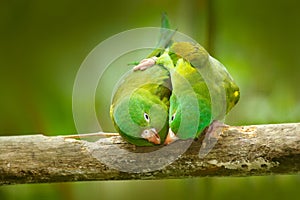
(43, 43)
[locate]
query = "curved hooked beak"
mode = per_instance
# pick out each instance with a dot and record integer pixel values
(171, 137)
(151, 135)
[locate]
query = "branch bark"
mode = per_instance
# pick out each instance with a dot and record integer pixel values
(239, 151)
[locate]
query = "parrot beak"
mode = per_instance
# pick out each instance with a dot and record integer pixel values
(171, 137)
(151, 135)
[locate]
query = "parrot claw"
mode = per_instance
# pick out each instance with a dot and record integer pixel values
(145, 63)
(213, 127)
(151, 135)
(212, 134)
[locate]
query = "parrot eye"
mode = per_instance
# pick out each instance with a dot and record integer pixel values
(146, 116)
(173, 117)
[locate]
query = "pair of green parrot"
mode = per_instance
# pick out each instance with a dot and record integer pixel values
(175, 93)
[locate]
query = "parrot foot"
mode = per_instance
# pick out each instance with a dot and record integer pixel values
(213, 127)
(212, 133)
(145, 63)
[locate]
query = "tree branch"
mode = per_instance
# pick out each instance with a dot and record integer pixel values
(239, 151)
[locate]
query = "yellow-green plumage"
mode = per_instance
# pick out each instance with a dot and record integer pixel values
(203, 90)
(142, 92)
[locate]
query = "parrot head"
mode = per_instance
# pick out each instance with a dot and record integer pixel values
(174, 120)
(141, 118)
(182, 114)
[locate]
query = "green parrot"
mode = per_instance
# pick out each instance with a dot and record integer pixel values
(140, 105)
(203, 92)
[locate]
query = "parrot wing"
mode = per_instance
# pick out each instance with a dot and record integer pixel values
(155, 79)
(223, 90)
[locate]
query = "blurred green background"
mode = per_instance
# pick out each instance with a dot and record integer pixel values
(43, 43)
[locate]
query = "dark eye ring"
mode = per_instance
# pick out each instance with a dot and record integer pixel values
(146, 116)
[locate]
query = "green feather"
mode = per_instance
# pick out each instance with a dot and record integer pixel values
(166, 35)
(203, 90)
(223, 90)
(142, 92)
(192, 101)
